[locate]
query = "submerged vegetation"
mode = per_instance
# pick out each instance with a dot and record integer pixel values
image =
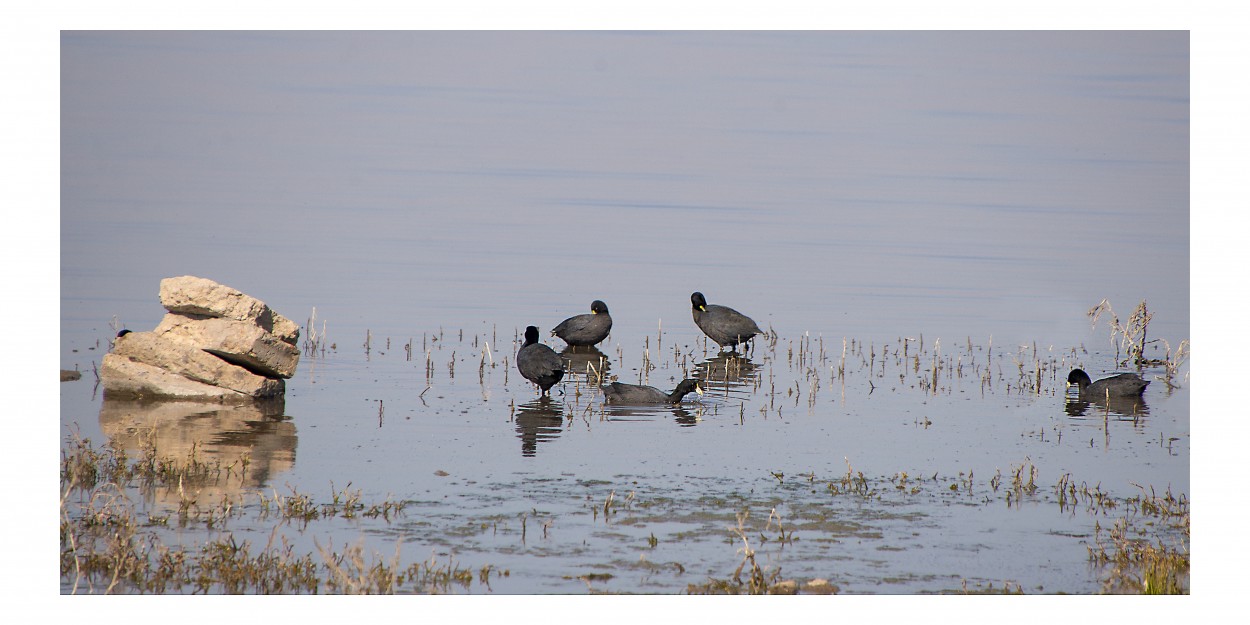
(1136, 556)
(111, 543)
(126, 515)
(1145, 551)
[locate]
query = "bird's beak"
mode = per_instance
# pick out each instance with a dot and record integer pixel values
(703, 308)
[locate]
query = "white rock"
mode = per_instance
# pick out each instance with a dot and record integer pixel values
(187, 360)
(201, 296)
(240, 342)
(123, 377)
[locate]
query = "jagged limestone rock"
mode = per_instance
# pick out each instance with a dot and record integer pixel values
(186, 359)
(240, 342)
(201, 296)
(216, 344)
(123, 377)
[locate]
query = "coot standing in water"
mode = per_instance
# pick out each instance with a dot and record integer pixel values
(722, 324)
(583, 330)
(539, 363)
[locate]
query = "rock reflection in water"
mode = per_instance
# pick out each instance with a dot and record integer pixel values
(538, 421)
(217, 433)
(1122, 408)
(727, 371)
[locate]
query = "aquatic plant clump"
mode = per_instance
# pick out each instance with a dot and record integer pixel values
(108, 546)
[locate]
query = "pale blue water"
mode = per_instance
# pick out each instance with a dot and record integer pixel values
(984, 188)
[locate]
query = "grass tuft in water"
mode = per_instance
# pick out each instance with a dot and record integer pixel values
(108, 546)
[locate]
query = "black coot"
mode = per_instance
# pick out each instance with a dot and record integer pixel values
(1122, 385)
(539, 363)
(588, 329)
(620, 393)
(722, 324)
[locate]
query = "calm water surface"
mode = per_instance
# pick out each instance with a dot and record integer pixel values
(965, 197)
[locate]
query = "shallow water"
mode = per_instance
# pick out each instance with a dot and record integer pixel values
(965, 197)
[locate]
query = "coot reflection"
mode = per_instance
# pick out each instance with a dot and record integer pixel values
(725, 372)
(538, 421)
(681, 415)
(1121, 408)
(588, 362)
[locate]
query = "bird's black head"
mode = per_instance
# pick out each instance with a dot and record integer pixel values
(598, 307)
(697, 300)
(1079, 378)
(531, 335)
(690, 385)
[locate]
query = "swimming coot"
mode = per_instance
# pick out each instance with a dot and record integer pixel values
(620, 393)
(584, 330)
(539, 363)
(1122, 385)
(722, 324)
